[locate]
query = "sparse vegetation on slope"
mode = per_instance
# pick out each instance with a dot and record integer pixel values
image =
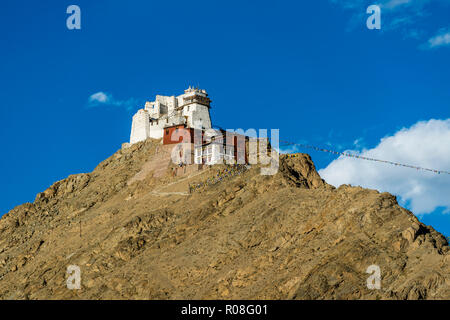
(287, 236)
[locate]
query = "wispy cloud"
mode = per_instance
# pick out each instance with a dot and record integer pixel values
(99, 98)
(387, 5)
(403, 16)
(426, 144)
(392, 4)
(359, 143)
(106, 99)
(290, 149)
(441, 39)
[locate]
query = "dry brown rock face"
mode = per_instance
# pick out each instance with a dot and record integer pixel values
(287, 236)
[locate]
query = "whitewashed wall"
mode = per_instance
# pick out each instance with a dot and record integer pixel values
(142, 128)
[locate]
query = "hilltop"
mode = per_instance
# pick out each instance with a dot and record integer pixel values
(136, 232)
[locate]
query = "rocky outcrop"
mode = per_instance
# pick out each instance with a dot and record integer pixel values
(247, 236)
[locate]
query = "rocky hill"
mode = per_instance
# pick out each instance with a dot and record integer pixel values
(136, 234)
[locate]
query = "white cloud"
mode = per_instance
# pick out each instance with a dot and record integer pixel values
(101, 98)
(425, 144)
(439, 40)
(404, 16)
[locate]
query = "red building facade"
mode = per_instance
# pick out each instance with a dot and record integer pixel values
(227, 144)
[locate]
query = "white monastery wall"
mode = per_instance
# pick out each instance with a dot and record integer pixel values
(140, 128)
(164, 111)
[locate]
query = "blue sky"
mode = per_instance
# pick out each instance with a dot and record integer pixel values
(310, 68)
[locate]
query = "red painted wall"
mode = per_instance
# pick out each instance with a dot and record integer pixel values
(180, 133)
(177, 134)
